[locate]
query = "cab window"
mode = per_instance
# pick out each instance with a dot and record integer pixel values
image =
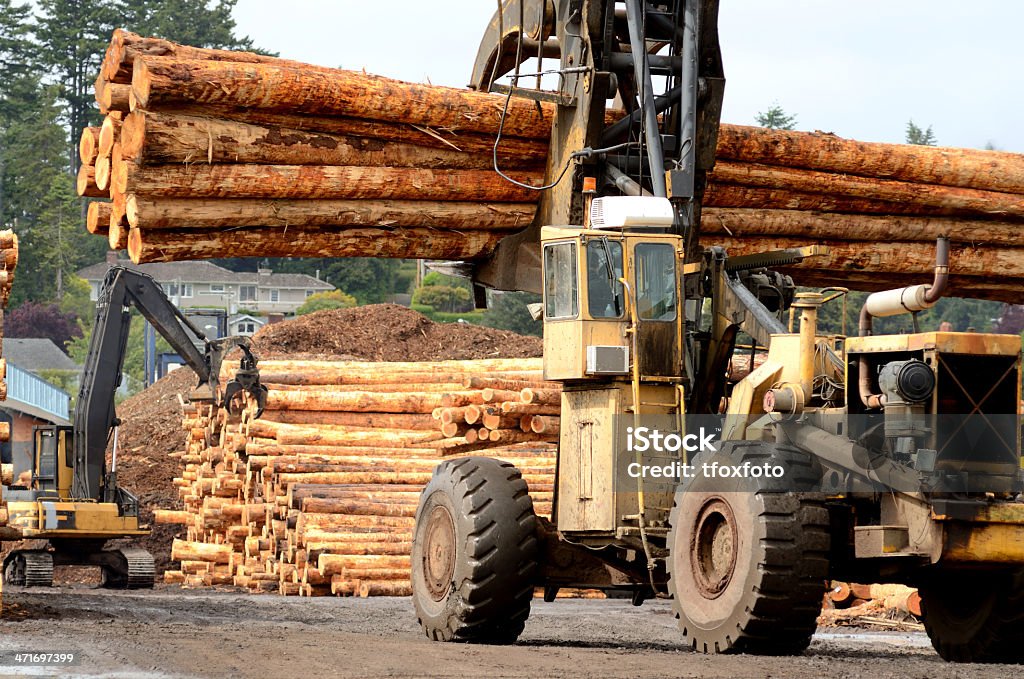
(604, 269)
(560, 290)
(656, 282)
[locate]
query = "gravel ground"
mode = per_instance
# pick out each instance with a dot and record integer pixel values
(169, 632)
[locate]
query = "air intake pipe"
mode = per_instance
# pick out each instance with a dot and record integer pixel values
(910, 299)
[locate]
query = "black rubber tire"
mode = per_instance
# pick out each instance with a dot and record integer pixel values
(481, 588)
(975, 616)
(760, 590)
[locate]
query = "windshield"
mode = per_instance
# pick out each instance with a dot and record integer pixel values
(656, 282)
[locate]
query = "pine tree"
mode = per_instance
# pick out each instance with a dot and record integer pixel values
(915, 135)
(776, 118)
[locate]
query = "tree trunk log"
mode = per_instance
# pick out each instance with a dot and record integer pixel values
(152, 138)
(199, 551)
(183, 213)
(110, 132)
(320, 182)
(85, 183)
(170, 246)
(88, 145)
(383, 420)
(889, 256)
(743, 223)
(724, 195)
(159, 81)
(983, 203)
(967, 168)
(97, 217)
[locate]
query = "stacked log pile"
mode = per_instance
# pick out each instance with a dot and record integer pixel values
(318, 495)
(504, 412)
(8, 263)
(210, 153)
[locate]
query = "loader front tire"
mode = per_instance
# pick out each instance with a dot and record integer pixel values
(975, 616)
(749, 556)
(474, 555)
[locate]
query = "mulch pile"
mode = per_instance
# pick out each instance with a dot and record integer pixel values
(151, 420)
(388, 332)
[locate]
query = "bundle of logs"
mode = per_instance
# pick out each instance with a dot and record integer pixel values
(211, 153)
(318, 495)
(8, 262)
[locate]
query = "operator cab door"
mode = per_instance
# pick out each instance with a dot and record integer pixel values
(655, 279)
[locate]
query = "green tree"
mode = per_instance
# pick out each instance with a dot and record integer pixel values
(776, 118)
(447, 298)
(200, 23)
(915, 135)
(509, 311)
(321, 301)
(369, 280)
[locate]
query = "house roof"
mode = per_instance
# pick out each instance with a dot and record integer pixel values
(207, 272)
(35, 354)
(246, 317)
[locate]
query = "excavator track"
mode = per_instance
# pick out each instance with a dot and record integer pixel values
(129, 568)
(29, 568)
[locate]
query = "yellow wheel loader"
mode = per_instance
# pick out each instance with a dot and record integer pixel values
(867, 459)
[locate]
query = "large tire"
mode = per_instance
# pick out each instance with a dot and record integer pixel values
(749, 557)
(975, 616)
(475, 551)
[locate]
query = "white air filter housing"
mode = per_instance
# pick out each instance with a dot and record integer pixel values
(636, 212)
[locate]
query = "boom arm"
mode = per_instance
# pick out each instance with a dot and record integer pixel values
(94, 411)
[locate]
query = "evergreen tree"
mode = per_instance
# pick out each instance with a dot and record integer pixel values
(776, 118)
(915, 135)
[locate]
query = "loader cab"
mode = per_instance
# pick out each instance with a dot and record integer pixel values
(599, 285)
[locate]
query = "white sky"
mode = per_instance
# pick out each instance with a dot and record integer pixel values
(859, 69)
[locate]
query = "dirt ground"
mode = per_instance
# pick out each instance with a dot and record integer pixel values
(169, 632)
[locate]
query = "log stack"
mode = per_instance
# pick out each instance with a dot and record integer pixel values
(318, 495)
(211, 153)
(8, 263)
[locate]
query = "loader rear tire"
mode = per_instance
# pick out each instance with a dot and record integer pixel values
(975, 617)
(749, 556)
(474, 555)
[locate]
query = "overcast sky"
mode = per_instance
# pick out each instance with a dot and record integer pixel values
(859, 69)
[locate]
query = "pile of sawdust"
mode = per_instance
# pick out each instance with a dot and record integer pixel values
(388, 332)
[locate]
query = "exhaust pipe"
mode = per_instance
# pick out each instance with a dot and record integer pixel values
(911, 299)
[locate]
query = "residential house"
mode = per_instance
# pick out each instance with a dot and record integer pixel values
(244, 324)
(204, 284)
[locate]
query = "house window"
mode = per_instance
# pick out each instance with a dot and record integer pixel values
(246, 328)
(309, 293)
(275, 295)
(247, 293)
(216, 287)
(183, 290)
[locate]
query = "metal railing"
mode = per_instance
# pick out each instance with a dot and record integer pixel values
(34, 391)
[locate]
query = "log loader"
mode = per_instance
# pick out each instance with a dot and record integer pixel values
(876, 458)
(68, 494)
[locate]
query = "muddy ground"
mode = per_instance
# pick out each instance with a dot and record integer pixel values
(170, 632)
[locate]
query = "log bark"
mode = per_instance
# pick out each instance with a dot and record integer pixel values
(888, 257)
(383, 420)
(332, 564)
(159, 81)
(152, 138)
(97, 217)
(881, 228)
(182, 550)
(88, 145)
(320, 182)
(982, 203)
(171, 516)
(724, 195)
(967, 168)
(183, 213)
(527, 151)
(170, 246)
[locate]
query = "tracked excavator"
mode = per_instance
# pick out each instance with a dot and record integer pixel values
(875, 458)
(68, 493)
